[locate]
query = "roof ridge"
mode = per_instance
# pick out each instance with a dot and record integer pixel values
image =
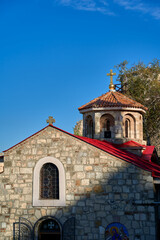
(131, 158)
(92, 101)
(111, 149)
(130, 98)
(27, 138)
(113, 93)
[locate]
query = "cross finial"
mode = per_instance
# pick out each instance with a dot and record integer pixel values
(51, 120)
(111, 86)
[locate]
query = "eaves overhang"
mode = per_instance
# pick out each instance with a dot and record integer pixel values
(94, 109)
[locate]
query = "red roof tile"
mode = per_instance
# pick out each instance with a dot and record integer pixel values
(130, 143)
(127, 156)
(148, 152)
(112, 99)
(111, 148)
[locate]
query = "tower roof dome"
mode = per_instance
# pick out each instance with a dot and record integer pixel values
(112, 100)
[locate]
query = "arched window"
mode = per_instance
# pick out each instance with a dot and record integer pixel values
(49, 182)
(49, 186)
(127, 128)
(107, 123)
(89, 127)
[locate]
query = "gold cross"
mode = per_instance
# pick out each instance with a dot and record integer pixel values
(111, 74)
(51, 120)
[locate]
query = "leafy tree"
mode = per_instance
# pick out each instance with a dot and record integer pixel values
(142, 83)
(78, 129)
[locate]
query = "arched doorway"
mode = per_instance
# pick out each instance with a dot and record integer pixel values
(49, 229)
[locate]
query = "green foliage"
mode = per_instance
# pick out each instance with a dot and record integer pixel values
(78, 128)
(76, 132)
(142, 83)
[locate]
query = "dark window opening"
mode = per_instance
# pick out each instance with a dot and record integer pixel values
(108, 125)
(49, 229)
(89, 127)
(107, 134)
(49, 180)
(127, 128)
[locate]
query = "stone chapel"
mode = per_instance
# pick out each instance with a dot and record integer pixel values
(103, 185)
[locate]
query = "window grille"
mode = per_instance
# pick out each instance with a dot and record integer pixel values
(49, 180)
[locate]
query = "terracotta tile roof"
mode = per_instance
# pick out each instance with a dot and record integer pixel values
(143, 162)
(112, 99)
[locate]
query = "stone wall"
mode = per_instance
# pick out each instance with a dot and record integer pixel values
(100, 189)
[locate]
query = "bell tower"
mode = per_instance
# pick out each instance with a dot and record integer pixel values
(113, 117)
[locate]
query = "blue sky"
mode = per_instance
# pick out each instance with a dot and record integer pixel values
(54, 56)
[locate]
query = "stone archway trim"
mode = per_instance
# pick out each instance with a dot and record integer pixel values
(36, 184)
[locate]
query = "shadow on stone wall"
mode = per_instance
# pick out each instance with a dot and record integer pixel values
(123, 196)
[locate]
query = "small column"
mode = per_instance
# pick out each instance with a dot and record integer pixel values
(84, 125)
(97, 116)
(118, 126)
